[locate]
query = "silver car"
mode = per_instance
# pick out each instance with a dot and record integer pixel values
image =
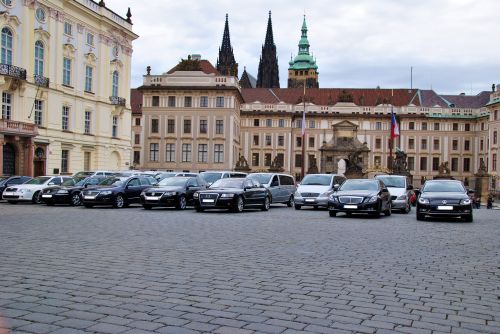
(315, 189)
(281, 186)
(400, 189)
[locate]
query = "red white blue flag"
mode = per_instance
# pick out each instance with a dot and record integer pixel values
(394, 125)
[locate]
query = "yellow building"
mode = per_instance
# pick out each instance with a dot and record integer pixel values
(494, 132)
(64, 78)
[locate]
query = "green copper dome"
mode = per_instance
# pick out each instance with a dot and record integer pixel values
(303, 61)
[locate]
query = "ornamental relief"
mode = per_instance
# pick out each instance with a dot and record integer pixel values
(90, 59)
(43, 35)
(30, 3)
(69, 50)
(10, 20)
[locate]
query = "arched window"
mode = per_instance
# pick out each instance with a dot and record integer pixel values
(39, 54)
(114, 88)
(6, 53)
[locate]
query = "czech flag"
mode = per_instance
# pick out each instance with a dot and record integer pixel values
(394, 126)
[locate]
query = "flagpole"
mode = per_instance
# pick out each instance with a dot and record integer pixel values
(391, 142)
(303, 134)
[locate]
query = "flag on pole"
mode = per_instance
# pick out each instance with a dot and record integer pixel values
(394, 125)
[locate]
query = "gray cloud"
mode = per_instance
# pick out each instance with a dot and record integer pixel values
(450, 43)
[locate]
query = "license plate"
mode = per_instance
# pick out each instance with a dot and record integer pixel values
(445, 207)
(310, 200)
(7, 193)
(350, 206)
(47, 196)
(208, 201)
(152, 198)
(89, 197)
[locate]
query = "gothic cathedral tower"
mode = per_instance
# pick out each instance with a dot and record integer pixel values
(268, 76)
(226, 64)
(303, 68)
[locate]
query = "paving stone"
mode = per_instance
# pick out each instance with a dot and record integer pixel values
(107, 328)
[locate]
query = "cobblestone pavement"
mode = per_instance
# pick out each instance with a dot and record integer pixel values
(76, 270)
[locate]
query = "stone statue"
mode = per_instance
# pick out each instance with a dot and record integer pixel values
(242, 162)
(275, 164)
(354, 162)
(400, 163)
(313, 166)
(482, 167)
(444, 169)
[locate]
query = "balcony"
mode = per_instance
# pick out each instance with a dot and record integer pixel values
(41, 81)
(117, 101)
(13, 71)
(18, 128)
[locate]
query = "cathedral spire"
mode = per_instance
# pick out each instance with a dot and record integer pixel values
(268, 75)
(303, 68)
(226, 63)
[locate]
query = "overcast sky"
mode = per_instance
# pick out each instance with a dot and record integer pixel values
(451, 44)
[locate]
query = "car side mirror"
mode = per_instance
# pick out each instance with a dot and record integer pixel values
(409, 187)
(336, 187)
(470, 191)
(385, 190)
(86, 185)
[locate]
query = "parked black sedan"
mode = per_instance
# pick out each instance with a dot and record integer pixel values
(7, 181)
(234, 194)
(176, 191)
(360, 196)
(70, 191)
(444, 198)
(117, 191)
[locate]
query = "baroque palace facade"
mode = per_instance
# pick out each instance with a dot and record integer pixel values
(64, 78)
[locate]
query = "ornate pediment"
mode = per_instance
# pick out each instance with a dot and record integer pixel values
(90, 58)
(10, 20)
(41, 34)
(116, 64)
(69, 50)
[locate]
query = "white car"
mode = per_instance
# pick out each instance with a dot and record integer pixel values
(314, 190)
(32, 190)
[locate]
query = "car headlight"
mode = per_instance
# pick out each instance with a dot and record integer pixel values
(466, 201)
(169, 193)
(334, 198)
(61, 191)
(106, 192)
(24, 191)
(297, 194)
(227, 195)
(402, 197)
(325, 194)
(422, 200)
(373, 199)
(196, 195)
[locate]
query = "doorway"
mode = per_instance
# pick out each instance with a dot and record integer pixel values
(9, 159)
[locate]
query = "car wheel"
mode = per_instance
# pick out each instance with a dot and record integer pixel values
(420, 216)
(12, 202)
(147, 206)
(267, 204)
(37, 198)
(199, 209)
(88, 205)
(239, 205)
(468, 218)
(119, 201)
(76, 200)
(291, 202)
(388, 212)
(332, 213)
(181, 203)
(298, 207)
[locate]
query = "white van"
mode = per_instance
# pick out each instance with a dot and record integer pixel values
(281, 186)
(211, 176)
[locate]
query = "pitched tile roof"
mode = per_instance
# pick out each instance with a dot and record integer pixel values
(429, 99)
(205, 65)
(136, 101)
(468, 101)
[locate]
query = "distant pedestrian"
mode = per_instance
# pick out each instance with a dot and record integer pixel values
(489, 203)
(477, 202)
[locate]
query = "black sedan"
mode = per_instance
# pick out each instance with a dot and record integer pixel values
(117, 191)
(444, 198)
(360, 196)
(7, 181)
(174, 191)
(70, 191)
(233, 194)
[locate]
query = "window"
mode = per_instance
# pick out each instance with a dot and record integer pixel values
(188, 101)
(88, 78)
(87, 161)
(411, 143)
(268, 140)
(255, 159)
(68, 29)
(137, 139)
(218, 153)
(90, 39)
(482, 126)
(153, 151)
(38, 112)
(455, 127)
(466, 164)
(267, 160)
(495, 115)
(204, 101)
(155, 101)
(436, 144)
(298, 160)
(378, 143)
(269, 122)
(65, 118)
(424, 126)
(64, 161)
(467, 127)
(40, 15)
(311, 142)
(298, 141)
(280, 159)
(186, 152)
(114, 129)
(454, 145)
(202, 153)
(467, 145)
(170, 153)
(494, 161)
(298, 124)
(171, 126)
(281, 123)
(312, 124)
(171, 101)
(6, 105)
(203, 126)
(377, 160)
(88, 116)
(154, 125)
(411, 126)
(436, 126)
(424, 144)
(281, 140)
(435, 164)
(39, 56)
(256, 139)
(256, 122)
(481, 145)
(219, 127)
(114, 85)
(454, 164)
(411, 163)
(219, 102)
(378, 125)
(67, 71)
(423, 163)
(6, 53)
(137, 121)
(137, 157)
(495, 137)
(187, 126)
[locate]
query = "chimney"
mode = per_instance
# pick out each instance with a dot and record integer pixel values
(462, 94)
(196, 56)
(493, 87)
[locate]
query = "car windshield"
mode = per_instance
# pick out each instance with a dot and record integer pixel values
(392, 182)
(161, 176)
(173, 182)
(80, 174)
(316, 180)
(38, 180)
(71, 182)
(228, 183)
(446, 187)
(262, 178)
(359, 185)
(210, 177)
(2, 179)
(111, 181)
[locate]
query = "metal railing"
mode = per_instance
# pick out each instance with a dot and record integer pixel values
(13, 71)
(117, 101)
(40, 80)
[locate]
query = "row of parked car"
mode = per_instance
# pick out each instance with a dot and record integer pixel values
(236, 191)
